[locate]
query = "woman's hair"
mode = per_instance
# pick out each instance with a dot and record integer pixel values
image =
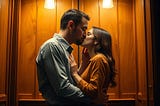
(72, 14)
(104, 46)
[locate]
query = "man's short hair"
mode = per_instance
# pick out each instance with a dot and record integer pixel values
(72, 14)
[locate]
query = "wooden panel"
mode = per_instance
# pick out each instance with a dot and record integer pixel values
(119, 22)
(46, 26)
(127, 47)
(108, 21)
(149, 54)
(26, 51)
(91, 7)
(3, 45)
(141, 53)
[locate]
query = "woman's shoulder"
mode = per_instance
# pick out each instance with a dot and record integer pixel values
(99, 57)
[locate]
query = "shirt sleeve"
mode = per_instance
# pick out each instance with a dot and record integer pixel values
(58, 76)
(99, 70)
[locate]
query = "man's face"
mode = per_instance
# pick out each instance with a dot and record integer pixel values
(80, 32)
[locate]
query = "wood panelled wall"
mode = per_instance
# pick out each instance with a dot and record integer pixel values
(119, 21)
(125, 21)
(37, 24)
(3, 48)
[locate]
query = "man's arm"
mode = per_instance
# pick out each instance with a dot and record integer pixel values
(58, 75)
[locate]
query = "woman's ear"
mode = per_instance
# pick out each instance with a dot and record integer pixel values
(96, 43)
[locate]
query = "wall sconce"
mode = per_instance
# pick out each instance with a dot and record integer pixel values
(49, 4)
(0, 3)
(107, 3)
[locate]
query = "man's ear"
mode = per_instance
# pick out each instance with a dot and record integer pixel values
(71, 25)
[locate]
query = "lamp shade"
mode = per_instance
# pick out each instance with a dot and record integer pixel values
(49, 4)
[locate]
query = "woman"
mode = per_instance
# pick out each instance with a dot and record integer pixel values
(97, 70)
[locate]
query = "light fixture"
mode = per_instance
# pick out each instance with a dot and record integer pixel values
(0, 3)
(49, 4)
(107, 3)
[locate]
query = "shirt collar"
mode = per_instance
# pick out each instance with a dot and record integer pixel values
(65, 44)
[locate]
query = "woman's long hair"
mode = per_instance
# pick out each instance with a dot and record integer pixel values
(104, 46)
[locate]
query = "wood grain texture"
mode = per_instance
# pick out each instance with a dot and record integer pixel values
(122, 22)
(127, 48)
(3, 50)
(127, 23)
(37, 25)
(119, 22)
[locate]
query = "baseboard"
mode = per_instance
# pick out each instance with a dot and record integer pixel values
(111, 102)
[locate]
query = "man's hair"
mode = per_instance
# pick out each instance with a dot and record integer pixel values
(74, 15)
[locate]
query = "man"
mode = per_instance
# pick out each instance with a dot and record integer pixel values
(53, 66)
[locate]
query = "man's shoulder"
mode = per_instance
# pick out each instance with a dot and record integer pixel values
(50, 42)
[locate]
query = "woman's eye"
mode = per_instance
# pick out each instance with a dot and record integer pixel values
(89, 34)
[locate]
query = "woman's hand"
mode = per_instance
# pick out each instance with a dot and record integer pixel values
(74, 69)
(74, 66)
(85, 56)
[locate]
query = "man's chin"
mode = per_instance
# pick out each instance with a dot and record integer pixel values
(79, 42)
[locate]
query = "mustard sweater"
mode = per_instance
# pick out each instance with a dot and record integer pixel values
(96, 79)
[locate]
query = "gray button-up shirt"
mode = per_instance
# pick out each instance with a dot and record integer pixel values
(54, 78)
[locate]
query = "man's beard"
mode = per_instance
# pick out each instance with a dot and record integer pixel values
(79, 42)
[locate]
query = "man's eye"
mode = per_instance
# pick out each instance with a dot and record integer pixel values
(84, 28)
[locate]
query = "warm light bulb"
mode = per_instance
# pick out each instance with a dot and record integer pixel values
(0, 3)
(107, 3)
(49, 4)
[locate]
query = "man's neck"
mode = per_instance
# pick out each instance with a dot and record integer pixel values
(65, 35)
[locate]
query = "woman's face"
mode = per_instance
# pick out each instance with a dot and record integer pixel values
(89, 40)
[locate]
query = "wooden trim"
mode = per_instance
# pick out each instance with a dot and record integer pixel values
(111, 102)
(12, 52)
(3, 97)
(3, 43)
(149, 66)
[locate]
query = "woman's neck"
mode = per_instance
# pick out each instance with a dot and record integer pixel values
(91, 52)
